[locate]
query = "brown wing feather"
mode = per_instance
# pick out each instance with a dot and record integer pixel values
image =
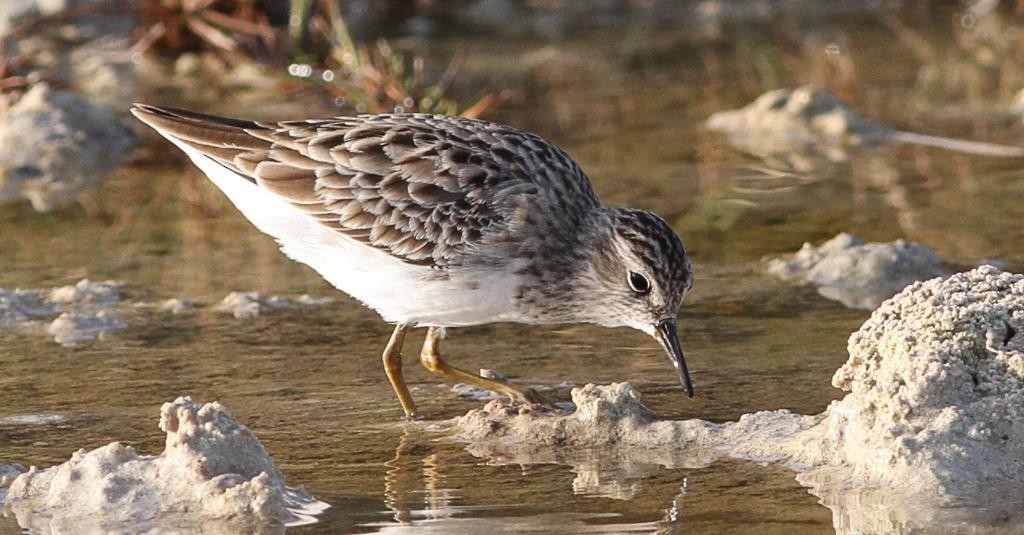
(423, 188)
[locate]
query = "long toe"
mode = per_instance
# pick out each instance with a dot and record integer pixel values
(535, 400)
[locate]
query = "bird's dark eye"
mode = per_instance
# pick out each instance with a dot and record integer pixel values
(639, 283)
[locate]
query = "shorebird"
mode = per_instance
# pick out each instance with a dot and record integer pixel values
(436, 222)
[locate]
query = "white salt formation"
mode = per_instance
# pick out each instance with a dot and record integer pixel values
(250, 304)
(613, 417)
(930, 433)
(858, 274)
(73, 328)
(85, 311)
(936, 389)
(788, 119)
(306, 299)
(212, 470)
(806, 119)
(88, 310)
(55, 144)
(176, 305)
(82, 310)
(86, 291)
(254, 304)
(20, 307)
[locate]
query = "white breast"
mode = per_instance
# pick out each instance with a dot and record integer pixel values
(399, 292)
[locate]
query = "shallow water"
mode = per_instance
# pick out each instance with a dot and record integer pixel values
(308, 380)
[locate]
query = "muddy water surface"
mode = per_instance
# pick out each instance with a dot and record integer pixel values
(308, 381)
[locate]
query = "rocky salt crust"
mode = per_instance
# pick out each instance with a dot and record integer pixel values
(82, 310)
(73, 328)
(930, 433)
(176, 305)
(613, 418)
(86, 291)
(796, 118)
(88, 310)
(306, 299)
(250, 304)
(858, 274)
(213, 474)
(809, 121)
(936, 389)
(55, 145)
(254, 304)
(20, 307)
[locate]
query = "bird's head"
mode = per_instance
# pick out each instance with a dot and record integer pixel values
(639, 275)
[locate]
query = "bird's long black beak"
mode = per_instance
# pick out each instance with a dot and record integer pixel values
(666, 333)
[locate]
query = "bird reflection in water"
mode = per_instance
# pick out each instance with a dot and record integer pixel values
(413, 483)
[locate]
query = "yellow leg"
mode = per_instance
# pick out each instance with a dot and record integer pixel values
(393, 368)
(430, 357)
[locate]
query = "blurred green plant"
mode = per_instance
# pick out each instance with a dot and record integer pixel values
(983, 69)
(376, 78)
(317, 46)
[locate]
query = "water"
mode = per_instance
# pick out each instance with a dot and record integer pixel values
(308, 381)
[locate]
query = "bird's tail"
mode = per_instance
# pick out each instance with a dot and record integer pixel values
(218, 138)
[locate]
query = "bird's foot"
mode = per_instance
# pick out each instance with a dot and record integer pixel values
(534, 400)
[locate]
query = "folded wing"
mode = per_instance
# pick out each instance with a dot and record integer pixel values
(421, 187)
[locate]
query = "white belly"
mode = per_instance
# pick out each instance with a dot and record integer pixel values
(399, 292)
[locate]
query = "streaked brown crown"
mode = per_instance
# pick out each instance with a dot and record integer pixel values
(659, 247)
